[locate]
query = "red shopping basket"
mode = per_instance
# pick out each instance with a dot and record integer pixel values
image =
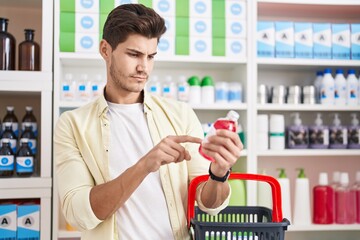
(238, 222)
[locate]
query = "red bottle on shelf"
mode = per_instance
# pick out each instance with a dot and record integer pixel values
(323, 196)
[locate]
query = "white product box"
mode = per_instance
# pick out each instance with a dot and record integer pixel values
(87, 6)
(355, 41)
(236, 48)
(200, 27)
(200, 46)
(87, 22)
(235, 9)
(8, 221)
(166, 46)
(170, 26)
(200, 8)
(164, 7)
(284, 39)
(265, 39)
(235, 28)
(341, 42)
(322, 40)
(303, 40)
(28, 222)
(86, 42)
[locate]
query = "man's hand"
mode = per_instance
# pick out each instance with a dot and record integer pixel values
(167, 151)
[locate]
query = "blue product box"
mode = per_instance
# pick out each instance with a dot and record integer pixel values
(303, 40)
(28, 222)
(322, 40)
(355, 41)
(284, 39)
(265, 39)
(341, 41)
(8, 220)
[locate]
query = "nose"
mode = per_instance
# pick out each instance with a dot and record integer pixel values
(142, 65)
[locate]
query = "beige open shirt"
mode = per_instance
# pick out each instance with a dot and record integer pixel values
(81, 142)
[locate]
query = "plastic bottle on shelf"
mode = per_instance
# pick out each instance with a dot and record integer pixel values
(9, 134)
(276, 133)
(97, 86)
(221, 92)
(352, 91)
(317, 85)
(29, 118)
(68, 88)
(11, 118)
(340, 88)
(207, 90)
(7, 47)
(354, 133)
(338, 134)
(327, 88)
(169, 88)
(29, 53)
(356, 188)
(235, 92)
(230, 122)
(297, 134)
(27, 133)
(241, 133)
(84, 88)
(183, 89)
(264, 195)
(318, 134)
(323, 201)
(345, 201)
(302, 210)
(7, 163)
(285, 193)
(25, 161)
(262, 132)
(195, 90)
(154, 85)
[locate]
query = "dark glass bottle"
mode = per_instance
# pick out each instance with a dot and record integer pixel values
(29, 118)
(9, 133)
(29, 53)
(7, 47)
(24, 159)
(6, 159)
(28, 133)
(11, 117)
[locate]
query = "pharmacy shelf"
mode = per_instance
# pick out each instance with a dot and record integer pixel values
(19, 183)
(306, 107)
(95, 60)
(329, 227)
(309, 152)
(25, 81)
(68, 234)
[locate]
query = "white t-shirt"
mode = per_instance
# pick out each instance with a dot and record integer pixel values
(145, 214)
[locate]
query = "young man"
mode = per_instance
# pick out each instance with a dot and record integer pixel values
(124, 161)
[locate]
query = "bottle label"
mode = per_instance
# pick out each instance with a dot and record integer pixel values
(33, 127)
(24, 164)
(354, 136)
(15, 128)
(338, 136)
(32, 145)
(13, 143)
(6, 163)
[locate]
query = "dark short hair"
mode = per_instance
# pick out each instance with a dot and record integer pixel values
(128, 19)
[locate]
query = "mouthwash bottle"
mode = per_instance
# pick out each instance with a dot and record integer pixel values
(29, 118)
(297, 134)
(318, 134)
(24, 159)
(11, 118)
(30, 136)
(354, 133)
(6, 159)
(229, 123)
(338, 134)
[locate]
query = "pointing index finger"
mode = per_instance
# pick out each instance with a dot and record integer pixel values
(187, 139)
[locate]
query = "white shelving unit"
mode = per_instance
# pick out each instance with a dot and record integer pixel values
(250, 71)
(23, 88)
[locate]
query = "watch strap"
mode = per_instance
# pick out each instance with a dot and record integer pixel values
(219, 179)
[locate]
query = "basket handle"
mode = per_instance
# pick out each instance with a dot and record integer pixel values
(275, 190)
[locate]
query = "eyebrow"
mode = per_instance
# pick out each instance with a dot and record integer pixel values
(138, 52)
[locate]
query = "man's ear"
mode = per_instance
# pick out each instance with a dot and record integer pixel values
(105, 49)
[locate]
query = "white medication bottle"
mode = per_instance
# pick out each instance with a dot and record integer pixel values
(68, 88)
(302, 210)
(277, 132)
(262, 121)
(327, 89)
(154, 85)
(84, 88)
(207, 90)
(340, 88)
(97, 86)
(352, 93)
(235, 92)
(195, 90)
(183, 89)
(221, 92)
(169, 88)
(285, 193)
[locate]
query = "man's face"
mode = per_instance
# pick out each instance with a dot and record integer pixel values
(132, 62)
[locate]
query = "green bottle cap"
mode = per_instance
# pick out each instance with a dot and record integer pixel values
(207, 81)
(194, 81)
(301, 173)
(282, 173)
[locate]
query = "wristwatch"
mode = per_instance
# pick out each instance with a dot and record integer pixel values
(219, 179)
